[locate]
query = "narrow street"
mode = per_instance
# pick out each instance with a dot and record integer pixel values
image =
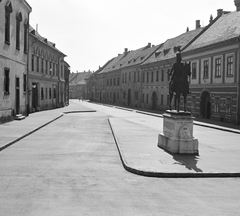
(72, 167)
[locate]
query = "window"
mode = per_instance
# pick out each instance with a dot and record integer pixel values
(205, 69)
(110, 82)
(143, 99)
(136, 95)
(42, 65)
(194, 70)
(216, 104)
(122, 78)
(107, 82)
(42, 93)
(230, 66)
(32, 62)
(37, 64)
(50, 93)
(138, 76)
(125, 77)
(162, 77)
(147, 76)
(129, 78)
(168, 78)
(18, 21)
(24, 82)
(228, 105)
(8, 10)
(26, 37)
(143, 77)
(135, 75)
(46, 93)
(147, 98)
(217, 67)
(157, 76)
(152, 76)
(54, 92)
(118, 81)
(6, 81)
(46, 66)
(114, 81)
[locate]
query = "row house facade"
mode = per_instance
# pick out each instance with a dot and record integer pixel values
(46, 79)
(14, 20)
(214, 53)
(215, 59)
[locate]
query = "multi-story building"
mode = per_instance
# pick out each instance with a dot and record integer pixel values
(215, 63)
(14, 20)
(77, 84)
(46, 73)
(155, 70)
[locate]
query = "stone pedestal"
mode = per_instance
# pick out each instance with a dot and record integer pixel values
(177, 134)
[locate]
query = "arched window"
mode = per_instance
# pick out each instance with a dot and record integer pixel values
(8, 10)
(18, 21)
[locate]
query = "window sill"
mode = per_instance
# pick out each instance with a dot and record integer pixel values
(229, 76)
(7, 42)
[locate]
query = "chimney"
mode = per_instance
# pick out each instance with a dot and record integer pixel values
(125, 50)
(198, 24)
(149, 45)
(219, 12)
(237, 4)
(187, 29)
(211, 19)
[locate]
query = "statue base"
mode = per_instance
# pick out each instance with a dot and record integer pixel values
(177, 134)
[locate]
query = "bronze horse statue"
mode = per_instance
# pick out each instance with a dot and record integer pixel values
(180, 86)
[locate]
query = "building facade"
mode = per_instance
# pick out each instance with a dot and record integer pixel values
(214, 53)
(46, 71)
(14, 22)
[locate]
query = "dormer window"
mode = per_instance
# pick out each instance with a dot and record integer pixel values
(157, 53)
(176, 48)
(165, 52)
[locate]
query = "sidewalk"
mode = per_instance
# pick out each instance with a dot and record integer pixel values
(13, 131)
(137, 145)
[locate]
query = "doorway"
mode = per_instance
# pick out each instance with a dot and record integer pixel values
(34, 96)
(205, 105)
(154, 101)
(17, 84)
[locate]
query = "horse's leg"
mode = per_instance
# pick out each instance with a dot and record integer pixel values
(175, 101)
(170, 100)
(185, 102)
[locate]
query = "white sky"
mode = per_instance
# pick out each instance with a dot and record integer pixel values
(91, 32)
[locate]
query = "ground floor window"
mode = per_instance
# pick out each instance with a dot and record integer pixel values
(42, 93)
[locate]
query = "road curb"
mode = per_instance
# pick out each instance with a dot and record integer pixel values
(30, 132)
(164, 174)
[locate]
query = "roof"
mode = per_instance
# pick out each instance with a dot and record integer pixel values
(171, 46)
(78, 78)
(130, 58)
(226, 27)
(33, 32)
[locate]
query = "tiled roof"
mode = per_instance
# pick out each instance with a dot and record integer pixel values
(78, 78)
(130, 58)
(33, 32)
(224, 28)
(170, 47)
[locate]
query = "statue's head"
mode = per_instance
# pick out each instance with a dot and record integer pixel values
(178, 57)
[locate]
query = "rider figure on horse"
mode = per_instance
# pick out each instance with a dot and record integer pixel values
(176, 72)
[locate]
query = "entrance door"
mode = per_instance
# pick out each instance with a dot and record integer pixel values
(205, 105)
(154, 101)
(34, 96)
(17, 95)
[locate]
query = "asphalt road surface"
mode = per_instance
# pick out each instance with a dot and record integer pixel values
(72, 167)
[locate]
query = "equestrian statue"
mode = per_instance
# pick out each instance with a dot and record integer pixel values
(179, 85)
